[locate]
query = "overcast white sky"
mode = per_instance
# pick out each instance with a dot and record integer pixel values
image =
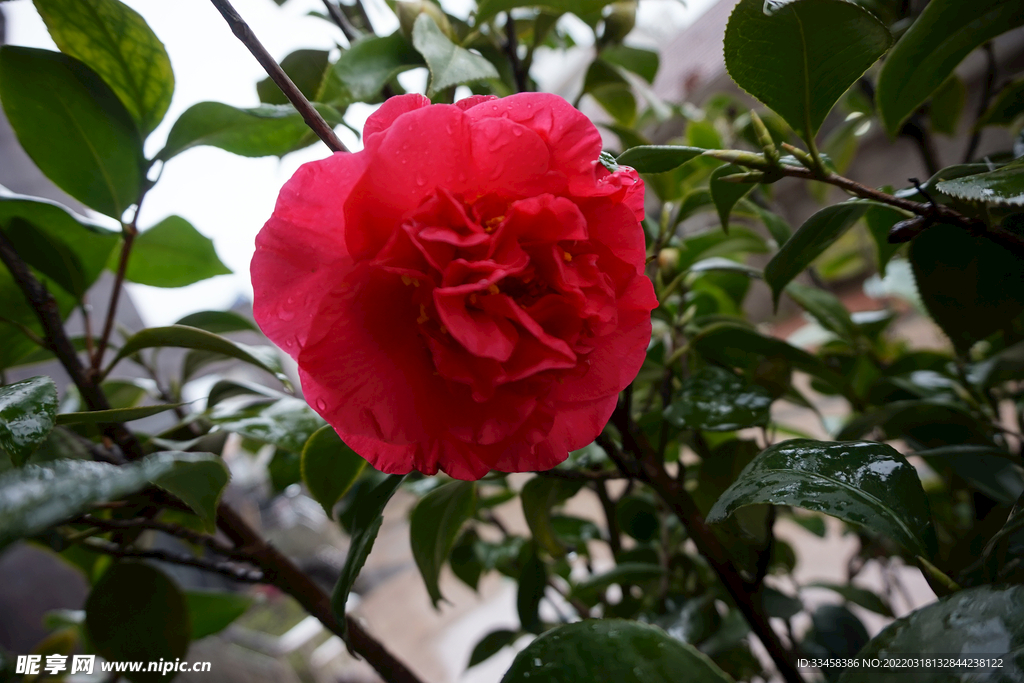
(227, 197)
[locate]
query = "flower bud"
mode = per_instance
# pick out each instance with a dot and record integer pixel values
(668, 260)
(619, 22)
(738, 157)
(764, 138)
(409, 10)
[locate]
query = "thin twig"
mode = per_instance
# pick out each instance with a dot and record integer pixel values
(225, 568)
(512, 50)
(581, 475)
(310, 115)
(128, 233)
(647, 468)
(350, 31)
(184, 533)
(614, 535)
(988, 88)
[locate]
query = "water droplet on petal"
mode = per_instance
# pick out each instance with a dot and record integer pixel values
(420, 180)
(321, 405)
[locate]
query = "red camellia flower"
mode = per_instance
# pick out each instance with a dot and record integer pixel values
(467, 292)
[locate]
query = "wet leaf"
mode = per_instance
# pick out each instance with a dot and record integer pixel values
(28, 411)
(433, 526)
(726, 195)
(329, 467)
(449, 64)
(287, 423)
(172, 253)
(491, 644)
(719, 400)
(538, 496)
(199, 484)
(1003, 186)
(864, 483)
(658, 158)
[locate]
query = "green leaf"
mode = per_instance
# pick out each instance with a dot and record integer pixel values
(611, 651)
(880, 220)
(538, 496)
(777, 227)
(173, 254)
(449, 64)
(989, 621)
(637, 516)
(329, 467)
(38, 496)
(533, 584)
(363, 70)
(199, 484)
(27, 413)
(738, 346)
(268, 130)
(114, 415)
(816, 235)
(826, 308)
(864, 483)
(947, 105)
(970, 285)
(725, 195)
(180, 336)
(115, 42)
(928, 424)
(306, 68)
(643, 63)
(219, 322)
(97, 157)
(622, 574)
(926, 55)
(433, 526)
(489, 8)
(212, 612)
(491, 644)
(1003, 186)
(658, 158)
(856, 595)
(368, 516)
(1007, 106)
(136, 613)
(287, 423)
(718, 400)
(800, 57)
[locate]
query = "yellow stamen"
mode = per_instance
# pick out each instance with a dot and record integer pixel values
(423, 315)
(472, 298)
(492, 288)
(567, 256)
(491, 224)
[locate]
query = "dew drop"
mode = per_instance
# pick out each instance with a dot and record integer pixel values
(321, 404)
(420, 180)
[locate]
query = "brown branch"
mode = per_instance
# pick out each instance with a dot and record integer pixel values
(350, 31)
(184, 533)
(128, 233)
(647, 467)
(310, 115)
(512, 50)
(580, 475)
(614, 535)
(230, 570)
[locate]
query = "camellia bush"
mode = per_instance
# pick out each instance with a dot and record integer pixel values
(487, 287)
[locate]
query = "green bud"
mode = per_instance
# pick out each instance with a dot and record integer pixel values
(764, 138)
(801, 156)
(668, 260)
(740, 158)
(619, 22)
(409, 10)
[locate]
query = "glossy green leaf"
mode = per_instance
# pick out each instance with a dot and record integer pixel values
(622, 574)
(970, 285)
(130, 600)
(181, 336)
(816, 235)
(858, 596)
(929, 424)
(800, 57)
(717, 264)
(115, 42)
(173, 254)
(489, 8)
(267, 130)
(38, 496)
(989, 622)
(864, 483)
(306, 68)
(218, 322)
(329, 467)
(826, 308)
(199, 484)
(212, 612)
(658, 158)
(926, 55)
(1007, 106)
(27, 413)
(533, 584)
(433, 526)
(777, 227)
(611, 651)
(1004, 366)
(718, 400)
(368, 515)
(990, 470)
(1003, 186)
(229, 388)
(449, 64)
(464, 560)
(491, 644)
(287, 423)
(97, 158)
(114, 415)
(879, 220)
(948, 105)
(726, 195)
(363, 70)
(538, 496)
